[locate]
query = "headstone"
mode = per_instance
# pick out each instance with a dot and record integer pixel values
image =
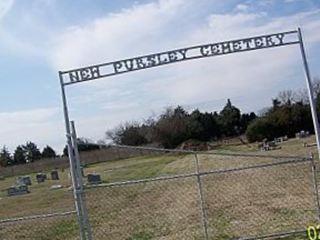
(24, 180)
(54, 175)
(268, 146)
(53, 187)
(17, 190)
(302, 134)
(279, 140)
(265, 147)
(41, 177)
(94, 178)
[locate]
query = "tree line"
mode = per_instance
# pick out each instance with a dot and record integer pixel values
(176, 125)
(288, 114)
(29, 152)
(285, 117)
(26, 153)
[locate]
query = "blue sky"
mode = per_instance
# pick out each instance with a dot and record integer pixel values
(40, 37)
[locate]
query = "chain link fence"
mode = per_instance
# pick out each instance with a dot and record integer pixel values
(197, 195)
(177, 194)
(59, 226)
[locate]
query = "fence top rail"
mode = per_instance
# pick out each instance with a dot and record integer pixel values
(49, 215)
(232, 154)
(219, 171)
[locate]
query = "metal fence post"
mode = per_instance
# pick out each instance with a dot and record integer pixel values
(200, 192)
(315, 185)
(310, 91)
(71, 158)
(80, 189)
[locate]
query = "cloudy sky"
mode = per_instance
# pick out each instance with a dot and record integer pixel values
(40, 37)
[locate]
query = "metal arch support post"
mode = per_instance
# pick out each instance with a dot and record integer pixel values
(72, 160)
(314, 116)
(310, 91)
(84, 211)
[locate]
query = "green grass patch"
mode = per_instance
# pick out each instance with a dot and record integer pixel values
(63, 229)
(141, 236)
(133, 169)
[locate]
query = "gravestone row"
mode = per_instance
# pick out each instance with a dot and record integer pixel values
(23, 182)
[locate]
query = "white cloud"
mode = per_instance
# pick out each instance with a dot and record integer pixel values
(5, 6)
(253, 77)
(266, 2)
(27, 32)
(43, 126)
(242, 7)
(132, 31)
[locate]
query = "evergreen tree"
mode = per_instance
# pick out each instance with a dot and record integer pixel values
(203, 126)
(48, 152)
(5, 157)
(19, 155)
(65, 151)
(32, 152)
(230, 119)
(245, 120)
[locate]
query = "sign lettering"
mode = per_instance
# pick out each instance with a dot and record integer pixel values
(158, 59)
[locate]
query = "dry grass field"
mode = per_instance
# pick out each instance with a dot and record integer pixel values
(242, 203)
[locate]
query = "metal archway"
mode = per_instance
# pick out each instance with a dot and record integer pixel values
(114, 68)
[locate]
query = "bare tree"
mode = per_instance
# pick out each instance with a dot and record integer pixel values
(316, 86)
(286, 96)
(301, 95)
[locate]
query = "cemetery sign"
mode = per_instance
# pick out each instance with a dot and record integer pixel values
(178, 55)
